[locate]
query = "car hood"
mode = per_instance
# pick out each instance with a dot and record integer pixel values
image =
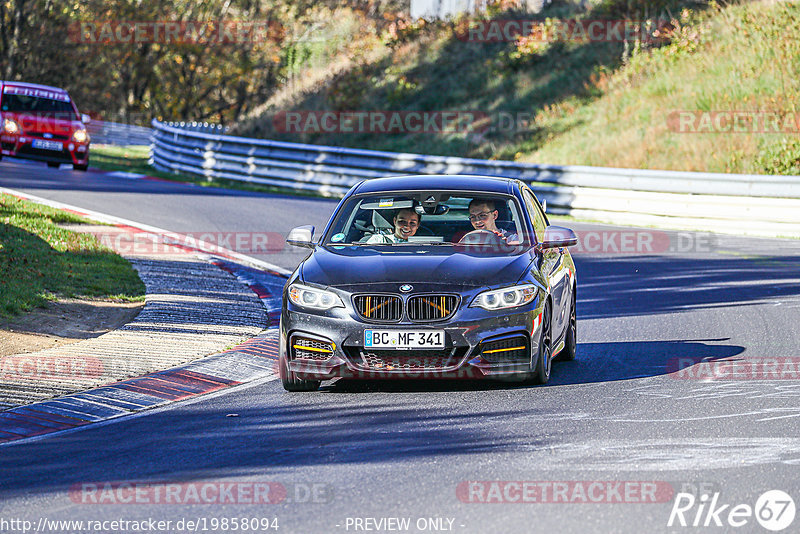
(360, 266)
(36, 124)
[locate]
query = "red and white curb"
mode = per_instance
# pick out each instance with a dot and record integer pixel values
(253, 360)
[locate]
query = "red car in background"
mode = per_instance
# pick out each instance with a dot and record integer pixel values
(42, 123)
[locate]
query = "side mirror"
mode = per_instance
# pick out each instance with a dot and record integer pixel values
(557, 237)
(85, 119)
(301, 236)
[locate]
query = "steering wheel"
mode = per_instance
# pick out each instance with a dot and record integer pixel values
(481, 237)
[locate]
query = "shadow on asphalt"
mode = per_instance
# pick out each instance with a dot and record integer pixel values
(618, 286)
(596, 362)
(194, 442)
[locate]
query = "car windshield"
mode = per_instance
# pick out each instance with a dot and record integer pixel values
(474, 221)
(38, 106)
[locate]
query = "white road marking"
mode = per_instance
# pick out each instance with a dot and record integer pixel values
(125, 175)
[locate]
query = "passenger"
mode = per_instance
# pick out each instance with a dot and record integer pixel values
(406, 223)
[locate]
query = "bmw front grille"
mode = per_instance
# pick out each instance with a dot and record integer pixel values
(420, 308)
(431, 307)
(382, 308)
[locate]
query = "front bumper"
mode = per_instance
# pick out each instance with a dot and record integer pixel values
(21, 146)
(466, 354)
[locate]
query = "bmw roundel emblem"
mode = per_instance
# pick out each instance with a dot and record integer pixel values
(405, 288)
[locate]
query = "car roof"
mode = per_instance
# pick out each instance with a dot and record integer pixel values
(33, 86)
(427, 182)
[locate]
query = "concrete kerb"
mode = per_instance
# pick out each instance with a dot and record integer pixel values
(193, 308)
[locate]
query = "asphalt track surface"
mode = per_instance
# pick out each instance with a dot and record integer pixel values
(356, 453)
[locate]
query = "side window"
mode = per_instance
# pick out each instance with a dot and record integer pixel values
(537, 217)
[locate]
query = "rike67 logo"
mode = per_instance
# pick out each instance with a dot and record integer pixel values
(774, 510)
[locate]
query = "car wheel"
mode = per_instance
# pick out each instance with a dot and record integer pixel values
(80, 167)
(544, 357)
(571, 342)
(291, 382)
(53, 164)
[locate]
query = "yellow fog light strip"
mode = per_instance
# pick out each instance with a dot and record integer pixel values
(314, 349)
(502, 350)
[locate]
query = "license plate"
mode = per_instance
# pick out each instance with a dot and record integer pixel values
(404, 339)
(47, 145)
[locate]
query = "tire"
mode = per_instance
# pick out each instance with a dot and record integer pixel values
(53, 164)
(80, 167)
(291, 382)
(571, 341)
(544, 355)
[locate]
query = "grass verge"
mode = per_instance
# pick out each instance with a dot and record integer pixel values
(41, 261)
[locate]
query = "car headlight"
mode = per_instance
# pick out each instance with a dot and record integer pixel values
(508, 297)
(316, 299)
(10, 126)
(80, 136)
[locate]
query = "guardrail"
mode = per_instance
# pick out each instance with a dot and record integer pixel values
(744, 204)
(115, 133)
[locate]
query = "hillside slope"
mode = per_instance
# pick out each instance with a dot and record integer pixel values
(640, 104)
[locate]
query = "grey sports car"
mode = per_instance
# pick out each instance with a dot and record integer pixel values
(430, 277)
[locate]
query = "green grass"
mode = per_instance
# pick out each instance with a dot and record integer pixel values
(743, 58)
(134, 158)
(41, 261)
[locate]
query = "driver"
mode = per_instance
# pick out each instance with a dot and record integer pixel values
(406, 224)
(483, 216)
